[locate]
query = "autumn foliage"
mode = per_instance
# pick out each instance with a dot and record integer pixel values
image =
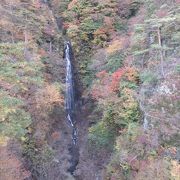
(108, 84)
(48, 97)
(11, 167)
(116, 77)
(101, 88)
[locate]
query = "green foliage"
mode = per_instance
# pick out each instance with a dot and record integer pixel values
(161, 28)
(83, 59)
(16, 70)
(172, 141)
(63, 5)
(127, 149)
(132, 131)
(16, 76)
(128, 113)
(117, 169)
(176, 37)
(128, 84)
(12, 50)
(120, 26)
(119, 110)
(16, 124)
(39, 157)
(122, 114)
(178, 68)
(8, 104)
(88, 78)
(81, 6)
(114, 62)
(88, 25)
(100, 136)
(148, 77)
(13, 119)
(109, 116)
(21, 74)
(140, 52)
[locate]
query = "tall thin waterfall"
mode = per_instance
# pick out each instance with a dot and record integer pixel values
(70, 90)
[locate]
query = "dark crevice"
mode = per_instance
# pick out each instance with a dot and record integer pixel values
(70, 110)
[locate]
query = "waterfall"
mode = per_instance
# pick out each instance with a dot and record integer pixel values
(70, 102)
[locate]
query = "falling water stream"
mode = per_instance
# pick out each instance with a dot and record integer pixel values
(70, 105)
(70, 90)
(69, 99)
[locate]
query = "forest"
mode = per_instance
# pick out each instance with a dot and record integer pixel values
(90, 90)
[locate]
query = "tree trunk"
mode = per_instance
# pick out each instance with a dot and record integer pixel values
(50, 47)
(161, 52)
(25, 43)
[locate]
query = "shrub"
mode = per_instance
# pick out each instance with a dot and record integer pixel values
(100, 136)
(148, 77)
(115, 46)
(40, 157)
(88, 78)
(8, 105)
(114, 62)
(109, 116)
(155, 169)
(127, 110)
(48, 97)
(73, 31)
(13, 119)
(100, 88)
(16, 124)
(12, 51)
(178, 68)
(116, 77)
(16, 71)
(119, 25)
(88, 25)
(126, 84)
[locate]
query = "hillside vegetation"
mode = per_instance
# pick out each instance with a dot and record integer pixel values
(128, 60)
(127, 75)
(27, 93)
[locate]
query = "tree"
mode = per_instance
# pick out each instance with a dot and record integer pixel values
(155, 35)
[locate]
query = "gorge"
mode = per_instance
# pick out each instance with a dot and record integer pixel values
(89, 89)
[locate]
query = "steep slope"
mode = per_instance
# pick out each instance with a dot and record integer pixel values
(127, 76)
(128, 60)
(32, 118)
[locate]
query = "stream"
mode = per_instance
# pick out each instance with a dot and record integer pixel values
(70, 90)
(69, 98)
